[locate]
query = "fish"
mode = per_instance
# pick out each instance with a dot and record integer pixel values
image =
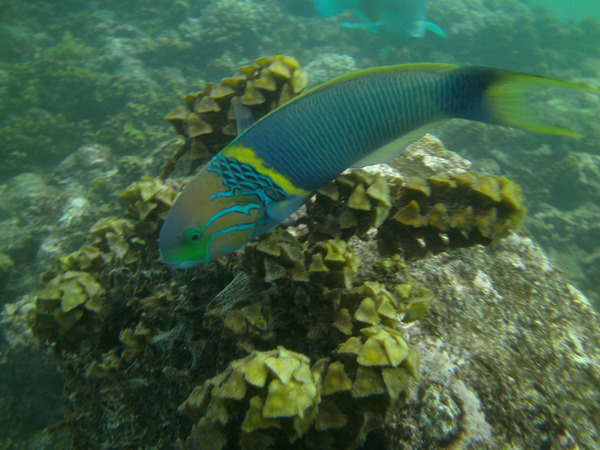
(394, 19)
(362, 118)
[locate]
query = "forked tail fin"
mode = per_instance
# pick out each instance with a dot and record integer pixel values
(504, 100)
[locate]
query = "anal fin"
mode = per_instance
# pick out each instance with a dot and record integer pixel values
(392, 149)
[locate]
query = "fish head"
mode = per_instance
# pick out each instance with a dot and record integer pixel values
(206, 222)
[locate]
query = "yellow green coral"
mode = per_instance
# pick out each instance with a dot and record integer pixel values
(438, 214)
(207, 120)
(70, 299)
(351, 204)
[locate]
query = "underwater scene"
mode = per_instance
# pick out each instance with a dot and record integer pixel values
(303, 224)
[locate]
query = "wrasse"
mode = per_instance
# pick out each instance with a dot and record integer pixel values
(362, 118)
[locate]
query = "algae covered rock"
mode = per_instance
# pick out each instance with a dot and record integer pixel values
(149, 201)
(509, 354)
(72, 303)
(360, 357)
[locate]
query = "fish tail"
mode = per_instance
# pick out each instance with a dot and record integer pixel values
(502, 99)
(328, 8)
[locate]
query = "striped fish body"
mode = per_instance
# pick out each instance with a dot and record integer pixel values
(355, 120)
(313, 139)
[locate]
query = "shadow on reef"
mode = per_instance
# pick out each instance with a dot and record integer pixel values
(299, 340)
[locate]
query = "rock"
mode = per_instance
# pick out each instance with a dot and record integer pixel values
(511, 343)
(84, 163)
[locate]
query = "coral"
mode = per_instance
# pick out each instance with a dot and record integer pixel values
(36, 128)
(359, 355)
(71, 304)
(288, 399)
(106, 96)
(208, 119)
(328, 66)
(350, 205)
(226, 24)
(441, 213)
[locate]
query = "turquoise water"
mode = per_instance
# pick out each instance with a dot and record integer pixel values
(571, 10)
(84, 90)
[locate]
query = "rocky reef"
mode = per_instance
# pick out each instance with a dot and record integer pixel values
(317, 335)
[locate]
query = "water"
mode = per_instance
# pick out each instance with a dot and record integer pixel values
(84, 88)
(575, 10)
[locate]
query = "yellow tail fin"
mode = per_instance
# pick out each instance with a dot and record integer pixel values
(506, 103)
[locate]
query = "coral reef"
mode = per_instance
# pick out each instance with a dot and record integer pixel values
(320, 319)
(109, 79)
(327, 66)
(320, 326)
(426, 215)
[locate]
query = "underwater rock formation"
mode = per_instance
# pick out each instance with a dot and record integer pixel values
(512, 345)
(569, 237)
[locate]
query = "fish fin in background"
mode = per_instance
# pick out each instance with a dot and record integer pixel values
(392, 149)
(435, 29)
(504, 101)
(329, 8)
(371, 26)
(365, 22)
(243, 116)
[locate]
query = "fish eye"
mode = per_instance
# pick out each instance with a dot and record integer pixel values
(192, 235)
